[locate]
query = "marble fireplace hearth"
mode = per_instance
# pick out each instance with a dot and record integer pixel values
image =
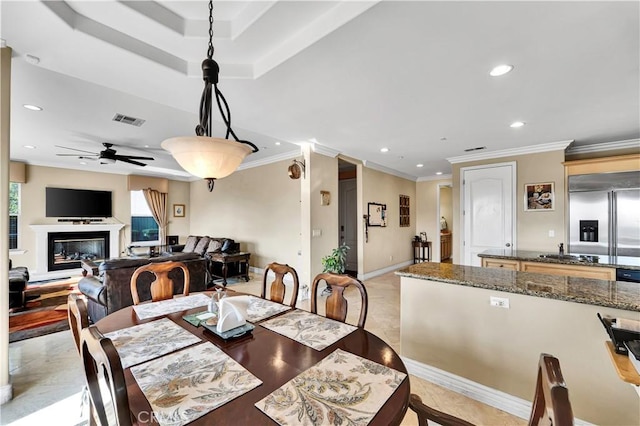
(42, 271)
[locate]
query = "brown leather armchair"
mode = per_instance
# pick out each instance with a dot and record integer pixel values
(18, 279)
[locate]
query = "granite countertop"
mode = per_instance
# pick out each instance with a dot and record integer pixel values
(626, 262)
(612, 294)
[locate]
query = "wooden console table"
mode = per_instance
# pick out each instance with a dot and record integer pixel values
(241, 260)
(418, 251)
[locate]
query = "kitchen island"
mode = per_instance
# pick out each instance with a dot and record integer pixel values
(450, 333)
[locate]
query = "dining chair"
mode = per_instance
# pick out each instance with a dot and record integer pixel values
(105, 379)
(278, 288)
(78, 317)
(551, 404)
(336, 305)
(162, 286)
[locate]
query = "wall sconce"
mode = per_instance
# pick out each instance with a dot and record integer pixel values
(296, 169)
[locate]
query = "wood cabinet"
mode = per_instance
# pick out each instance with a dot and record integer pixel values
(445, 246)
(567, 270)
(511, 265)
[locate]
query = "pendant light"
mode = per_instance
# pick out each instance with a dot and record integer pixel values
(202, 155)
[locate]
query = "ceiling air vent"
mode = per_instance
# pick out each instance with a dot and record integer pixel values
(128, 120)
(478, 148)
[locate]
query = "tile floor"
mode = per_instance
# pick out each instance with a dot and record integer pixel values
(47, 375)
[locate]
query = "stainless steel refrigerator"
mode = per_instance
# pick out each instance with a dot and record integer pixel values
(604, 214)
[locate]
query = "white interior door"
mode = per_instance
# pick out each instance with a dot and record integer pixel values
(488, 212)
(349, 220)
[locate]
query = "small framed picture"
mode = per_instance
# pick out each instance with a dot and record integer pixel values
(539, 197)
(423, 237)
(178, 210)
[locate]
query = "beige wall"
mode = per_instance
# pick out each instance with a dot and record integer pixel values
(499, 348)
(427, 219)
(258, 207)
(388, 245)
(178, 194)
(32, 204)
(532, 227)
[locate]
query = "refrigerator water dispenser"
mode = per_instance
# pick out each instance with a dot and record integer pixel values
(589, 231)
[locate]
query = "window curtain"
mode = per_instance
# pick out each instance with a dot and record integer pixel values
(157, 202)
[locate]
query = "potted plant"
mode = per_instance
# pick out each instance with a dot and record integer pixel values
(336, 262)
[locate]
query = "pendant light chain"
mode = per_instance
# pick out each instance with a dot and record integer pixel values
(210, 50)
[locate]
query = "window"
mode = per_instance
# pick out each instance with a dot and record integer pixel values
(14, 212)
(143, 225)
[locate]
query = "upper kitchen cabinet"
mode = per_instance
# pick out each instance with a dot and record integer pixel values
(619, 163)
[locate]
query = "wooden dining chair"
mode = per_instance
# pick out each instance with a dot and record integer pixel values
(105, 379)
(336, 305)
(162, 286)
(551, 404)
(277, 289)
(78, 317)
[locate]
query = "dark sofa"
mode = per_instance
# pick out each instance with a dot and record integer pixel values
(110, 290)
(18, 279)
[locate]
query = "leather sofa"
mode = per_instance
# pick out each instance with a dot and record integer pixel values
(18, 279)
(110, 290)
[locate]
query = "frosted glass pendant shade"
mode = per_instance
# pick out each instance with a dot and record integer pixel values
(207, 157)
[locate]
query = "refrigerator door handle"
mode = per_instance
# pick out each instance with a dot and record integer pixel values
(613, 225)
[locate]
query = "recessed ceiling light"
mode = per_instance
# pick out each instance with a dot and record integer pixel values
(278, 143)
(384, 149)
(500, 70)
(84, 163)
(517, 124)
(420, 165)
(146, 146)
(29, 146)
(438, 173)
(32, 107)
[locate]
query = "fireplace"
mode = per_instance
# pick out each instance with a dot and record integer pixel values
(67, 249)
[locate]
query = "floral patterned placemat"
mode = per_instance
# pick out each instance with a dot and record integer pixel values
(260, 309)
(309, 329)
(186, 385)
(342, 389)
(150, 340)
(164, 307)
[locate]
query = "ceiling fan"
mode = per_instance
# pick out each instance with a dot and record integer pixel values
(107, 156)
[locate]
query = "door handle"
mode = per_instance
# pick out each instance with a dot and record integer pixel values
(508, 244)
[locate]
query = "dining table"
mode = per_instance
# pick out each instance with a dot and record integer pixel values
(272, 358)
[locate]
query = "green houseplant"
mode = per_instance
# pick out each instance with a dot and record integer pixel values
(336, 262)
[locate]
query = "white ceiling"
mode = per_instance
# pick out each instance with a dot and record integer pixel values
(353, 76)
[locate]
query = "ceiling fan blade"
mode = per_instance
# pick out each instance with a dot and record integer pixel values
(134, 157)
(88, 158)
(126, 160)
(75, 149)
(67, 155)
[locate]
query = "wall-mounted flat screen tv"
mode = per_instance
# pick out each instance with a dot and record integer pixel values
(80, 203)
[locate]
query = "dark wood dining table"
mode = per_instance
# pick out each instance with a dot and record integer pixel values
(271, 357)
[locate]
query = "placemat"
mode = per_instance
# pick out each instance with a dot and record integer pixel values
(342, 389)
(186, 385)
(309, 329)
(164, 307)
(260, 309)
(150, 340)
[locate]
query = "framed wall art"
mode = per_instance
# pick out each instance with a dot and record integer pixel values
(377, 214)
(539, 197)
(178, 210)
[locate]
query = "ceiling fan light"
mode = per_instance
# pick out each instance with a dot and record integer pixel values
(107, 160)
(207, 157)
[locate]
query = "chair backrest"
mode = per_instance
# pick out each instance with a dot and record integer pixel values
(551, 404)
(162, 286)
(105, 378)
(277, 289)
(426, 413)
(336, 306)
(78, 317)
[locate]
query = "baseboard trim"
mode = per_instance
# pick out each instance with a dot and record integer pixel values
(502, 401)
(383, 271)
(6, 393)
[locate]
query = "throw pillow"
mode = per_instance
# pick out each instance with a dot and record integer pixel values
(214, 245)
(228, 245)
(191, 243)
(202, 245)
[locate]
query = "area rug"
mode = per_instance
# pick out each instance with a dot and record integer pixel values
(45, 310)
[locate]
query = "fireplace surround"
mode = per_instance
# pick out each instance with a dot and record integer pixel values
(43, 268)
(65, 250)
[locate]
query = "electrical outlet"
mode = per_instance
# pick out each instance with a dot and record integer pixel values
(499, 302)
(552, 233)
(391, 257)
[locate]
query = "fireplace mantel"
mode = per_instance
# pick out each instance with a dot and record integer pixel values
(42, 231)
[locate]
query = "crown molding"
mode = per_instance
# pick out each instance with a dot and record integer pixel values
(383, 169)
(324, 150)
(532, 149)
(607, 146)
(437, 177)
(269, 160)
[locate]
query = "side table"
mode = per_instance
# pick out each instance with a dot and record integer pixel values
(418, 251)
(241, 260)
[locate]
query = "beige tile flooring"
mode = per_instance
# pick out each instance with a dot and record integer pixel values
(47, 375)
